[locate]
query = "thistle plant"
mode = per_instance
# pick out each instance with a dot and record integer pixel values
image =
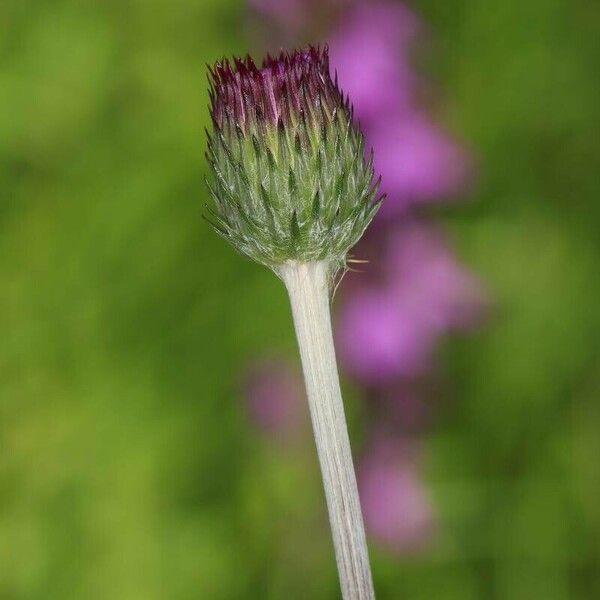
(292, 190)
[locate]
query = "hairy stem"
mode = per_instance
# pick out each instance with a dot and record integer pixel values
(308, 288)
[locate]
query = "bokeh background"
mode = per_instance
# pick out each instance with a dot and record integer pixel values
(153, 438)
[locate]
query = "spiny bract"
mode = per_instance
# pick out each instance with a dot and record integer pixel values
(290, 179)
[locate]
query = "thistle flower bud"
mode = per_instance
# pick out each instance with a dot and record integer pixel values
(290, 179)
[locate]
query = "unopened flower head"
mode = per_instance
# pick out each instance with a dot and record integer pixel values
(290, 179)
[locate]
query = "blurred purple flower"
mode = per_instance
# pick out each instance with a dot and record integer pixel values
(417, 161)
(396, 505)
(369, 51)
(438, 289)
(274, 395)
(380, 339)
(388, 328)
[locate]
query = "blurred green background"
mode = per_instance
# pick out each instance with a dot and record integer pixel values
(128, 467)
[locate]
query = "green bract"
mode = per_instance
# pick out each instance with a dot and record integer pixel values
(290, 179)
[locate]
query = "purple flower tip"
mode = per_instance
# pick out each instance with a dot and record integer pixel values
(286, 88)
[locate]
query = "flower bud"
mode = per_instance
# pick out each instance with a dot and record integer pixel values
(290, 179)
